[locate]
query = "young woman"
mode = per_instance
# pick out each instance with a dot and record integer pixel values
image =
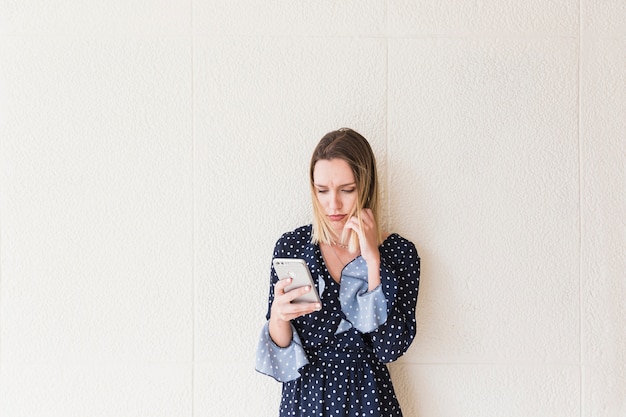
(331, 356)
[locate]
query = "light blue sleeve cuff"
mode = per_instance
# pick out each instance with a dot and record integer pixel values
(365, 310)
(280, 363)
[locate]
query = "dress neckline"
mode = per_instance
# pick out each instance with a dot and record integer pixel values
(322, 261)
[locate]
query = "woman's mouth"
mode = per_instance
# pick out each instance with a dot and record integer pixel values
(336, 217)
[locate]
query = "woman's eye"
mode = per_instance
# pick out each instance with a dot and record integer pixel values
(348, 191)
(321, 191)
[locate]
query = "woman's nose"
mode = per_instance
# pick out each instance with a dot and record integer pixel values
(335, 201)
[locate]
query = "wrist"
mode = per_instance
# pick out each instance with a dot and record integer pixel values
(373, 273)
(280, 331)
(373, 264)
(276, 320)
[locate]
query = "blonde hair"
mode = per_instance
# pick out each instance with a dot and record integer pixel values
(353, 148)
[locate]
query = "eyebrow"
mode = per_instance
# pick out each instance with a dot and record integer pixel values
(339, 186)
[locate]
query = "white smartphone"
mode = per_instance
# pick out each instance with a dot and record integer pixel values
(298, 270)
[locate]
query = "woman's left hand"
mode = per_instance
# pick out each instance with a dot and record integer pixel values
(367, 232)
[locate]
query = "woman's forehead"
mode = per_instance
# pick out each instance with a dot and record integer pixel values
(332, 172)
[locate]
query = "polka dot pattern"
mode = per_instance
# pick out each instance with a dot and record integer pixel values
(365, 310)
(336, 361)
(280, 363)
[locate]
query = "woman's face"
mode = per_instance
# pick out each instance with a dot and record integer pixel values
(336, 190)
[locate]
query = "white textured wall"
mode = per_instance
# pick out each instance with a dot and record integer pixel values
(151, 152)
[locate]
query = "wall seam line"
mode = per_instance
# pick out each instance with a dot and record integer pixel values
(193, 212)
(1, 282)
(580, 221)
(387, 141)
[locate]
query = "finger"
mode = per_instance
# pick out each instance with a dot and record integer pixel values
(368, 220)
(296, 292)
(290, 311)
(300, 309)
(279, 288)
(353, 224)
(367, 216)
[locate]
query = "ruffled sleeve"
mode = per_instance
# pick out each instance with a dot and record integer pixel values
(280, 363)
(385, 315)
(365, 310)
(399, 275)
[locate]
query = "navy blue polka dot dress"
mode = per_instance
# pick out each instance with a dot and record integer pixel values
(335, 364)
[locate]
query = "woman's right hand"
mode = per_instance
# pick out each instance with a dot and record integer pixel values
(283, 311)
(282, 306)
